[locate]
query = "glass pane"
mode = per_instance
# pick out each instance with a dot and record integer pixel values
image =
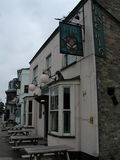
(26, 89)
(35, 72)
(40, 110)
(30, 106)
(66, 98)
(54, 98)
(54, 121)
(70, 59)
(48, 61)
(29, 119)
(66, 122)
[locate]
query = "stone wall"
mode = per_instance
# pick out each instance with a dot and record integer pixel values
(108, 83)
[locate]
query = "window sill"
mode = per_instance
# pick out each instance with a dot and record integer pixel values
(64, 136)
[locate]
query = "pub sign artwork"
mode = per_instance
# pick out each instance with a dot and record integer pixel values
(71, 39)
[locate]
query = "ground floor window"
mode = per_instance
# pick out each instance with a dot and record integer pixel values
(28, 109)
(30, 113)
(62, 102)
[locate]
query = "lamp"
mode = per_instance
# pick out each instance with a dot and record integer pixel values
(32, 87)
(45, 78)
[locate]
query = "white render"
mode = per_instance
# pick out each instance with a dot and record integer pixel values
(85, 120)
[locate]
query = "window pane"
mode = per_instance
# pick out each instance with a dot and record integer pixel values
(35, 72)
(30, 106)
(26, 89)
(66, 122)
(54, 98)
(70, 59)
(48, 65)
(40, 110)
(66, 98)
(29, 119)
(54, 121)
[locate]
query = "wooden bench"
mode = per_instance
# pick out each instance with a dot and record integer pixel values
(35, 152)
(25, 146)
(18, 140)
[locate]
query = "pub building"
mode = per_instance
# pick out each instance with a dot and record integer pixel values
(75, 82)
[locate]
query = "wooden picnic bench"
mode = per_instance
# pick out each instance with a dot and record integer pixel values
(35, 152)
(18, 140)
(19, 132)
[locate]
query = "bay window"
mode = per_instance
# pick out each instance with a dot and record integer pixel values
(62, 108)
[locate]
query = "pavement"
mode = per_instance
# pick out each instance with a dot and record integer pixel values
(6, 152)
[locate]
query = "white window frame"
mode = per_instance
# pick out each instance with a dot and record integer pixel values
(61, 109)
(53, 110)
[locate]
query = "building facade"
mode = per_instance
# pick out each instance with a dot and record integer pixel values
(11, 101)
(22, 91)
(79, 104)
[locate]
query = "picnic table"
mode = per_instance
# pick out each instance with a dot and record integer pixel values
(36, 151)
(21, 131)
(18, 140)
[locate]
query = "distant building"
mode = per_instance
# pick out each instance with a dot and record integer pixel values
(11, 101)
(22, 91)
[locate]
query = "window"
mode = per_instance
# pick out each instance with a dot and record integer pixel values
(35, 73)
(66, 110)
(30, 113)
(48, 65)
(40, 110)
(54, 109)
(63, 99)
(26, 89)
(25, 112)
(69, 59)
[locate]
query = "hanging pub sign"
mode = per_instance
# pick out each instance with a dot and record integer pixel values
(71, 39)
(98, 31)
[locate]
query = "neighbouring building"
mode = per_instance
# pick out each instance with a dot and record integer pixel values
(22, 91)
(79, 104)
(10, 101)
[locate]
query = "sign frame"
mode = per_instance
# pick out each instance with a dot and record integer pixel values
(71, 41)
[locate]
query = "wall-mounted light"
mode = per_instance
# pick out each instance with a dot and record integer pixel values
(45, 78)
(32, 87)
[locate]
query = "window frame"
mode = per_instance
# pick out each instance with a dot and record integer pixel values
(61, 86)
(54, 110)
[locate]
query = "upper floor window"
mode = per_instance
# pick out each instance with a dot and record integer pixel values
(69, 59)
(26, 89)
(35, 72)
(48, 64)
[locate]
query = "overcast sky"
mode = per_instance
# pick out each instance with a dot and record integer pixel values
(24, 26)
